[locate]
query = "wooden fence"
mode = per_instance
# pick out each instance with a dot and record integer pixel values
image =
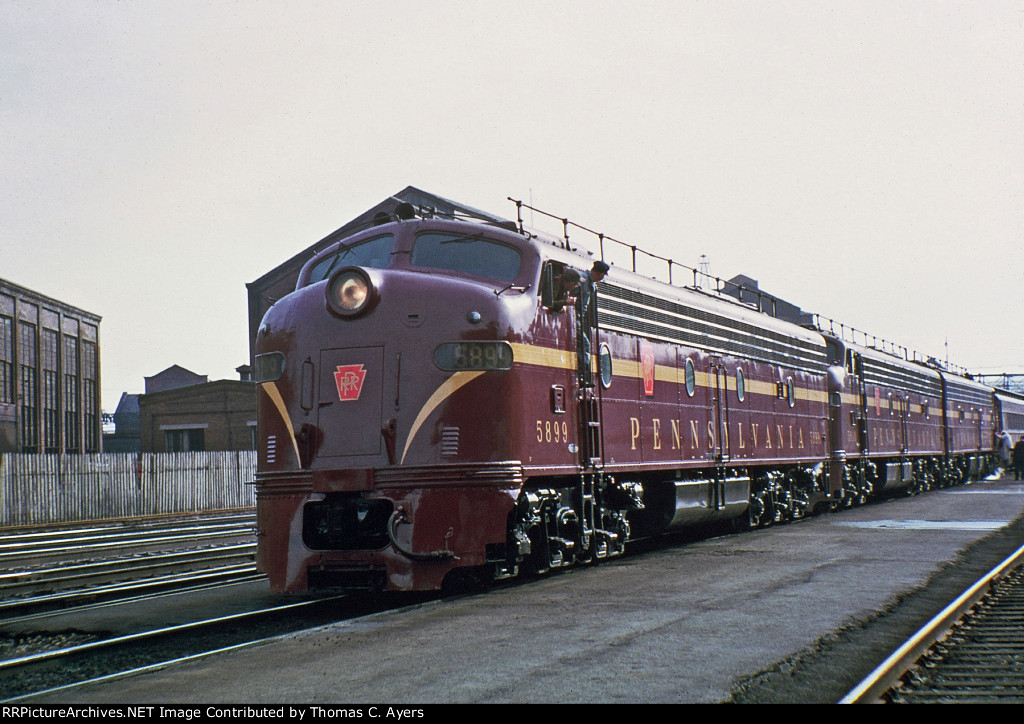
(46, 489)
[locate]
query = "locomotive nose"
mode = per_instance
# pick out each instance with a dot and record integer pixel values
(351, 292)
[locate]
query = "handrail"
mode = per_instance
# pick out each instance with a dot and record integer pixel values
(766, 303)
(722, 287)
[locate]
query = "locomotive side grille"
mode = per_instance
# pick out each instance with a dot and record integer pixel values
(967, 395)
(879, 372)
(635, 312)
(449, 442)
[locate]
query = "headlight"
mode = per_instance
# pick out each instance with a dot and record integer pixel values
(350, 292)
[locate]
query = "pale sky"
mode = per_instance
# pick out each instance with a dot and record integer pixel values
(864, 160)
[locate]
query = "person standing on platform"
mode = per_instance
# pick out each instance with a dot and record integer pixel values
(1018, 459)
(1004, 449)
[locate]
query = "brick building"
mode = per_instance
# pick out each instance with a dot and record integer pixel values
(49, 374)
(172, 378)
(197, 416)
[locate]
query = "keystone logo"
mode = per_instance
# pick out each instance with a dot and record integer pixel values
(349, 379)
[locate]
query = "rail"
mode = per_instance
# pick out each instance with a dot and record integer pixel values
(57, 671)
(889, 672)
(46, 567)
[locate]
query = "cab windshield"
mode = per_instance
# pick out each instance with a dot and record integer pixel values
(375, 253)
(467, 254)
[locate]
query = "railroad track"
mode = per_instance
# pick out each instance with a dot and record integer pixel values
(90, 659)
(45, 569)
(18, 609)
(33, 547)
(971, 652)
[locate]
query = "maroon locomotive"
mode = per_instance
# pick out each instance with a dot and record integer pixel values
(898, 424)
(443, 399)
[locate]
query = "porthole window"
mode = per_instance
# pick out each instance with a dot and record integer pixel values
(790, 391)
(741, 385)
(691, 378)
(604, 363)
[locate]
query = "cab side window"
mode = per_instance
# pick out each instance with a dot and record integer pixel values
(553, 292)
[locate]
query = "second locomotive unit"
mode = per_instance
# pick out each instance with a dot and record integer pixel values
(443, 399)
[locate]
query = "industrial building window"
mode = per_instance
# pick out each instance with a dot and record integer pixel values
(51, 393)
(89, 401)
(27, 348)
(6, 359)
(71, 427)
(185, 440)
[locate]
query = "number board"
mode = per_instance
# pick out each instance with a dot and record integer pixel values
(473, 356)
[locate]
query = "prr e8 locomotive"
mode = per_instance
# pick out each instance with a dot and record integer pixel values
(445, 399)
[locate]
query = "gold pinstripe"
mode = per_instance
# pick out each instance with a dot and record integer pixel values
(442, 393)
(560, 359)
(853, 398)
(543, 356)
(275, 396)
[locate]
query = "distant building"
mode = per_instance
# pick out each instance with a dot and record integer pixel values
(280, 280)
(172, 378)
(49, 374)
(125, 436)
(197, 416)
(746, 290)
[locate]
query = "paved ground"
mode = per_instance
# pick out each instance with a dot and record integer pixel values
(793, 613)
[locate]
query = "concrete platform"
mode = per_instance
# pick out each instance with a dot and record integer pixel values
(798, 612)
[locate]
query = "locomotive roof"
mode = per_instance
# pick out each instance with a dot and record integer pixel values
(883, 367)
(642, 306)
(1009, 395)
(654, 309)
(635, 304)
(962, 389)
